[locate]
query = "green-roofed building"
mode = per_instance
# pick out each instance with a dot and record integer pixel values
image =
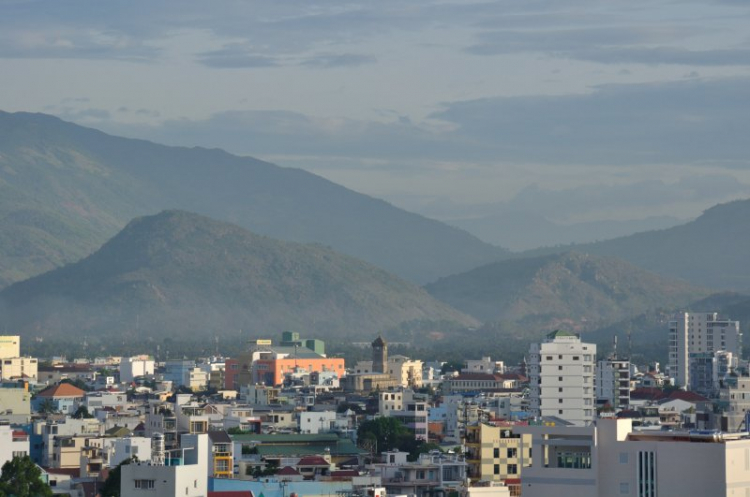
(560, 334)
(272, 448)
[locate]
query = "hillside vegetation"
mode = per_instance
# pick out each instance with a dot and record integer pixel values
(185, 276)
(572, 290)
(711, 251)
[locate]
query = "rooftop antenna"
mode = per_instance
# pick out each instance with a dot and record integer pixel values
(630, 341)
(614, 347)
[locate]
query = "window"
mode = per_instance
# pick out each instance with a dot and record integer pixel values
(559, 378)
(496, 453)
(624, 488)
(512, 452)
(623, 457)
(512, 469)
(496, 469)
(144, 484)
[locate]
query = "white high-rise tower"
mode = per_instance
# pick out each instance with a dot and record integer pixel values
(561, 370)
(699, 333)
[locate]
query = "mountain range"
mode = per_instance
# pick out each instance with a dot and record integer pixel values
(711, 251)
(574, 291)
(66, 189)
(186, 276)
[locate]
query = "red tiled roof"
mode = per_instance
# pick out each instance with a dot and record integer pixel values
(62, 390)
(687, 396)
(344, 472)
(228, 493)
(475, 376)
(512, 376)
(648, 394)
(72, 472)
(288, 471)
(313, 461)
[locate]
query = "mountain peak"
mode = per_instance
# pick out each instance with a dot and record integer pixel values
(183, 273)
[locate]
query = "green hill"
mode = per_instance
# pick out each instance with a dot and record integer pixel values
(66, 189)
(572, 291)
(711, 251)
(184, 276)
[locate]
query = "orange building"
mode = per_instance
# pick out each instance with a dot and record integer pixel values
(271, 371)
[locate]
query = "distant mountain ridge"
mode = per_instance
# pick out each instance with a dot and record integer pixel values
(66, 189)
(571, 290)
(185, 276)
(711, 251)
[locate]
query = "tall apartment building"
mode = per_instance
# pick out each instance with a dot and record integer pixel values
(10, 346)
(699, 333)
(613, 382)
(561, 370)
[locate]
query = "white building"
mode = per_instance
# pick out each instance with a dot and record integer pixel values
(483, 365)
(127, 447)
(613, 382)
(15, 404)
(561, 372)
(10, 346)
(15, 368)
(697, 333)
(735, 397)
(317, 422)
(13, 443)
(189, 478)
(609, 459)
(133, 367)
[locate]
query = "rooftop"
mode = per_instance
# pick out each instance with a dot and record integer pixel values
(62, 390)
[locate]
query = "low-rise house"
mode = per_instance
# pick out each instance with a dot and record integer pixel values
(435, 473)
(15, 402)
(57, 372)
(13, 443)
(63, 397)
(187, 477)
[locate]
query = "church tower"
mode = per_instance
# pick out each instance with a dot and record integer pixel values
(379, 355)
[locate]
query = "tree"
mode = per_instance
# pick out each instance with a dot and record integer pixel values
(387, 433)
(82, 413)
(111, 486)
(451, 366)
(46, 407)
(22, 478)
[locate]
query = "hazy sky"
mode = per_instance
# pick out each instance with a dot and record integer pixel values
(630, 108)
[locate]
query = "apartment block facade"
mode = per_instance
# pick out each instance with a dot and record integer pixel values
(699, 333)
(562, 372)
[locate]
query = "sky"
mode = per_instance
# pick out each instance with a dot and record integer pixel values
(577, 110)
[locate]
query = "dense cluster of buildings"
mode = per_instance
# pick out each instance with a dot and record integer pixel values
(283, 418)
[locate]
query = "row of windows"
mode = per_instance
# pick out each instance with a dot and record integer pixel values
(512, 469)
(510, 452)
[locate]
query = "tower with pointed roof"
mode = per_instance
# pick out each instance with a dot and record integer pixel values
(379, 355)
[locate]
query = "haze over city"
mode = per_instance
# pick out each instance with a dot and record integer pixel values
(574, 112)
